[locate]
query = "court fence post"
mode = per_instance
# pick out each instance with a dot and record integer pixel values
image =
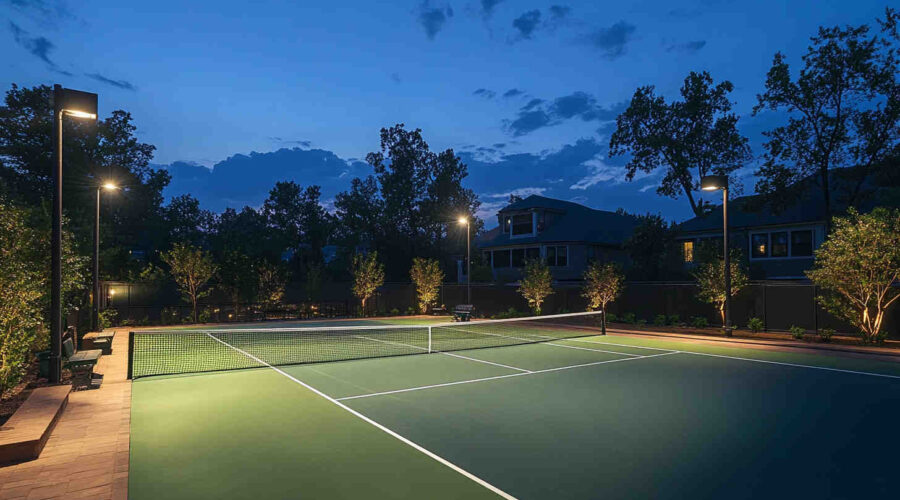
(429, 340)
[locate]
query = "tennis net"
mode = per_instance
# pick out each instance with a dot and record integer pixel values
(170, 352)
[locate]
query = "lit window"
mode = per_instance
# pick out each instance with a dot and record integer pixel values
(687, 249)
(759, 245)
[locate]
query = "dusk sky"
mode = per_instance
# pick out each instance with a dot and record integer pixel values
(524, 91)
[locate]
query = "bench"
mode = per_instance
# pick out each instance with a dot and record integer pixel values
(24, 435)
(102, 340)
(81, 364)
(439, 310)
(463, 312)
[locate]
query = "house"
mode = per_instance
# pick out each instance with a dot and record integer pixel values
(566, 235)
(777, 244)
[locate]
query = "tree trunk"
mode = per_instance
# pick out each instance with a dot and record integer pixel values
(194, 307)
(603, 320)
(364, 307)
(722, 314)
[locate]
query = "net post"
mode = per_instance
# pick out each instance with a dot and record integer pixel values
(130, 355)
(429, 340)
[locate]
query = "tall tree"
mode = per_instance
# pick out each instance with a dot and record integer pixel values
(536, 284)
(603, 283)
(649, 247)
(690, 138)
(427, 276)
(710, 277)
(368, 275)
(843, 109)
(187, 222)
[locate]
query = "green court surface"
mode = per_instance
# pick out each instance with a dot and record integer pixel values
(590, 417)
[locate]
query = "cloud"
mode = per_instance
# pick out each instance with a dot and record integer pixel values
(122, 84)
(513, 93)
(499, 145)
(38, 46)
(611, 41)
(485, 93)
(395, 77)
(689, 47)
(433, 18)
(42, 11)
(527, 23)
(538, 113)
(598, 172)
(487, 7)
(559, 12)
(282, 140)
(491, 203)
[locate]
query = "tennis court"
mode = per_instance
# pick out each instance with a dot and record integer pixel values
(534, 408)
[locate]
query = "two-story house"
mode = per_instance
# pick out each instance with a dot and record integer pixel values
(564, 234)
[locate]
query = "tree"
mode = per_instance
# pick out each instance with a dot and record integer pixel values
(368, 275)
(843, 110)
(860, 265)
(710, 277)
(536, 284)
(427, 275)
(649, 247)
(315, 275)
(690, 138)
(187, 222)
(602, 284)
(192, 268)
(271, 284)
(237, 278)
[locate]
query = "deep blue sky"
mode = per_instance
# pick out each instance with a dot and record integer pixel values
(523, 90)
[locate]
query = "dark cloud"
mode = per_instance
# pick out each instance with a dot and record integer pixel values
(559, 12)
(487, 7)
(513, 93)
(532, 104)
(44, 10)
(282, 140)
(121, 84)
(499, 145)
(37, 46)
(611, 41)
(395, 77)
(485, 93)
(539, 114)
(433, 18)
(527, 23)
(689, 47)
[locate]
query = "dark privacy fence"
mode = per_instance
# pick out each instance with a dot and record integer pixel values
(780, 304)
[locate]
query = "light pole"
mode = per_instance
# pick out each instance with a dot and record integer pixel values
(66, 102)
(712, 183)
(465, 220)
(95, 297)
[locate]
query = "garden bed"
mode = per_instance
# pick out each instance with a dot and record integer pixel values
(742, 333)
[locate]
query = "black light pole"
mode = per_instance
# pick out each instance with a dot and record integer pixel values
(95, 297)
(712, 183)
(80, 105)
(465, 220)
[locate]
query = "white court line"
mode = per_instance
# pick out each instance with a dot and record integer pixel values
(795, 365)
(436, 457)
(589, 349)
(445, 353)
(471, 381)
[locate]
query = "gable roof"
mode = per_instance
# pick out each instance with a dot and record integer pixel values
(575, 223)
(753, 211)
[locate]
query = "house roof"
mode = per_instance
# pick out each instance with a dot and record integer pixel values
(576, 223)
(809, 207)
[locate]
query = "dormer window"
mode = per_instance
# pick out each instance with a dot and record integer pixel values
(522, 224)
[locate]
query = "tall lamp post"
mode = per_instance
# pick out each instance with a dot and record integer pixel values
(74, 103)
(713, 183)
(95, 297)
(465, 220)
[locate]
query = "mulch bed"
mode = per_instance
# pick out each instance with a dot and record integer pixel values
(808, 338)
(14, 398)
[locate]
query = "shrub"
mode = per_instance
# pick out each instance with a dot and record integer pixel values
(641, 322)
(410, 311)
(660, 320)
(825, 334)
(395, 312)
(797, 332)
(107, 318)
(628, 318)
(755, 325)
(673, 319)
(205, 315)
(611, 318)
(509, 313)
(699, 322)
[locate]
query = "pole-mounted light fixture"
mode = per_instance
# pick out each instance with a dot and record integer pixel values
(713, 183)
(465, 220)
(76, 104)
(95, 296)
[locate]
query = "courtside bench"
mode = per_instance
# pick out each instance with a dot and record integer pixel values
(24, 435)
(463, 312)
(81, 364)
(102, 340)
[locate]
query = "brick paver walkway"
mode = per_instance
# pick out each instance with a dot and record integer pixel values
(87, 453)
